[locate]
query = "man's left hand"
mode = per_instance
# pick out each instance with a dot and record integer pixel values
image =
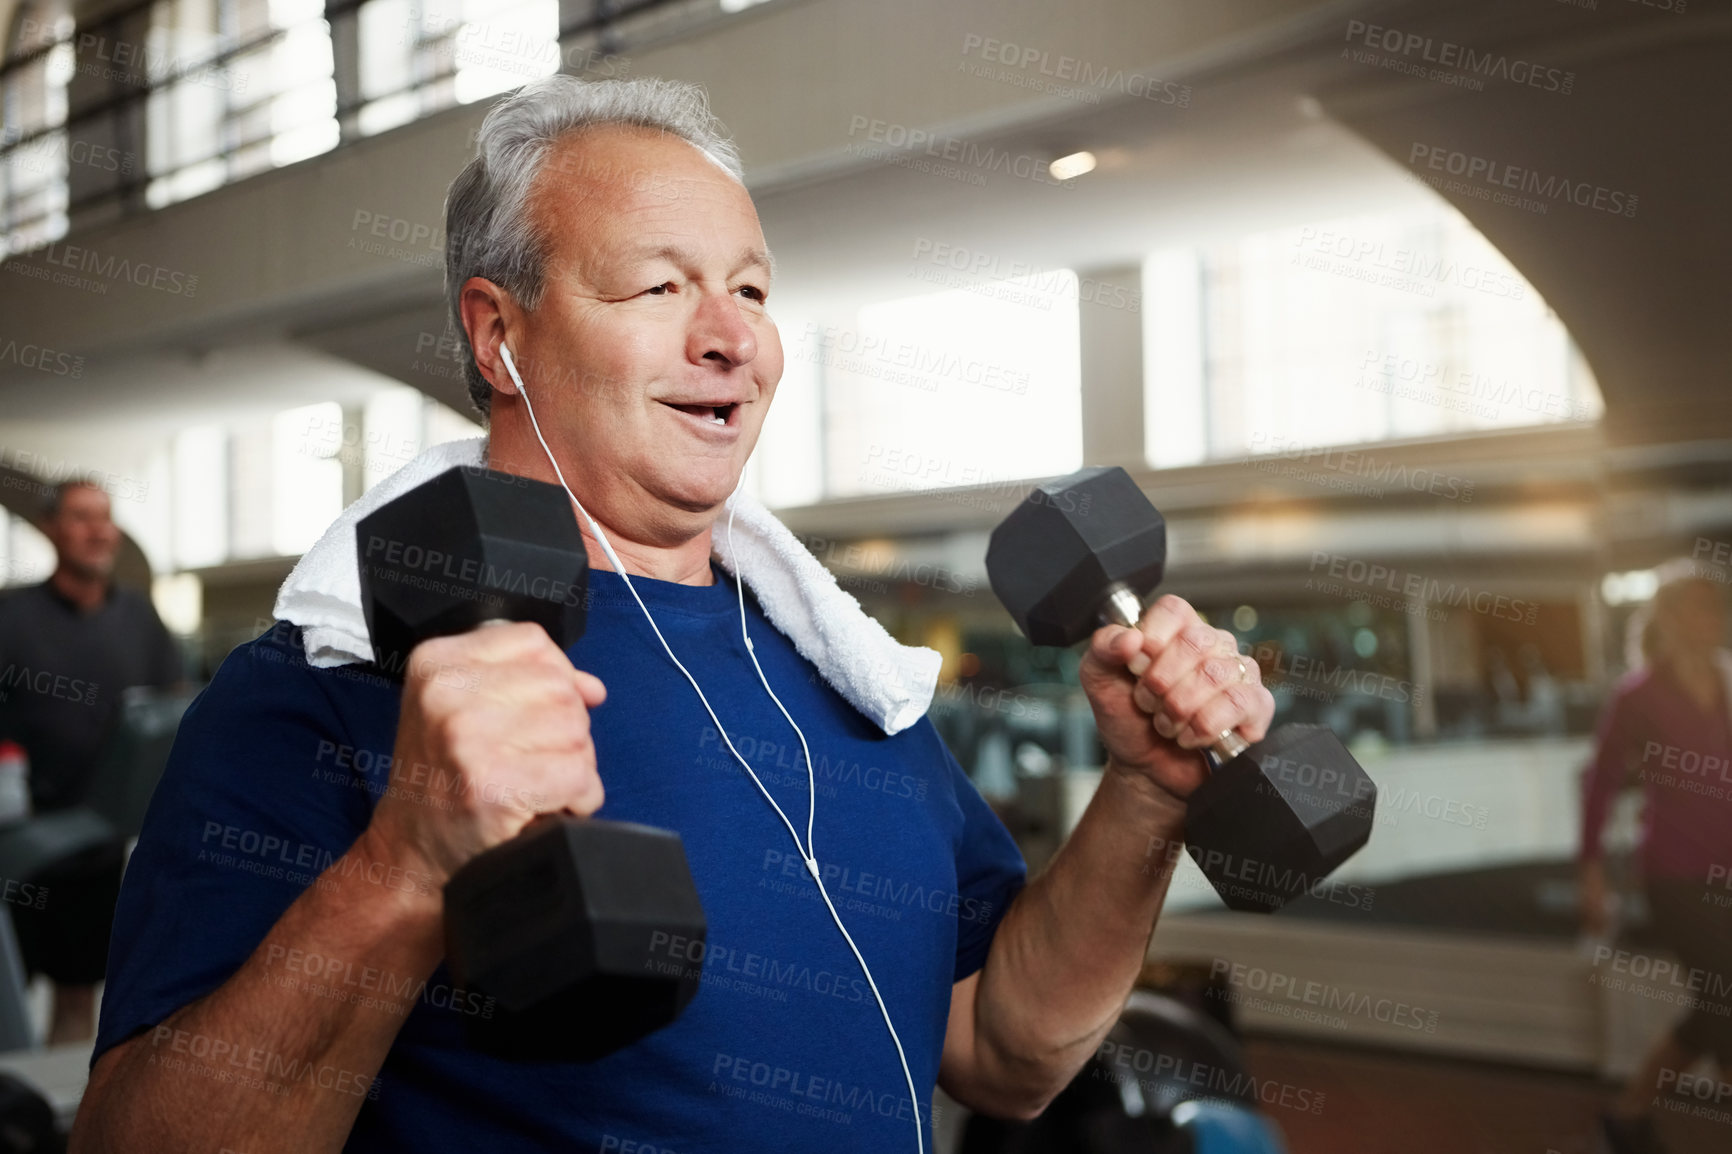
(1166, 690)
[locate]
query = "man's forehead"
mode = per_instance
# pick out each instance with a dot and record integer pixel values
(608, 160)
(88, 496)
(638, 195)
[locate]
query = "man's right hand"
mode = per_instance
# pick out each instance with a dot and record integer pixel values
(494, 730)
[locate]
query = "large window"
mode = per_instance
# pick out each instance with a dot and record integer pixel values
(36, 68)
(241, 86)
(231, 88)
(942, 389)
(1361, 329)
(418, 57)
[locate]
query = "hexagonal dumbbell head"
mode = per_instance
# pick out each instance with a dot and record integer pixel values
(1056, 559)
(1270, 824)
(583, 934)
(469, 546)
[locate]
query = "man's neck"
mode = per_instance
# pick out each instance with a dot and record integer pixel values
(685, 562)
(84, 591)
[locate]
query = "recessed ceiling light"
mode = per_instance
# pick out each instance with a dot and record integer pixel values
(1072, 166)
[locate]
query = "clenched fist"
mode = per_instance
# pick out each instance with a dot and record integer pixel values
(494, 729)
(1166, 690)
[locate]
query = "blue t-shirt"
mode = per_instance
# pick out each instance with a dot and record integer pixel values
(278, 765)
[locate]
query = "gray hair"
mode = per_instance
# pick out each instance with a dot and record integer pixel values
(488, 232)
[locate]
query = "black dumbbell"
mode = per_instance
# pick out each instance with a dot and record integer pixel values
(557, 924)
(1273, 819)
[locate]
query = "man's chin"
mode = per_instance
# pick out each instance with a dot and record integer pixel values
(90, 570)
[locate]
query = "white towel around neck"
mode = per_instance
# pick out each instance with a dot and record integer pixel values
(887, 681)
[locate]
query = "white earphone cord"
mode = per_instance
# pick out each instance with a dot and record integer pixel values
(808, 852)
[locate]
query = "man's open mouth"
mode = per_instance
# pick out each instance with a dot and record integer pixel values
(715, 414)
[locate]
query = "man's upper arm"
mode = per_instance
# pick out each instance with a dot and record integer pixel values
(990, 871)
(252, 806)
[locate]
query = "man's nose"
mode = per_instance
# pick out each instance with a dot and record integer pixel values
(720, 333)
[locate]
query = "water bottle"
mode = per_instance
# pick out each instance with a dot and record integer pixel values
(14, 783)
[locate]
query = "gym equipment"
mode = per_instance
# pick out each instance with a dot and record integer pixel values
(1165, 1076)
(1273, 819)
(557, 924)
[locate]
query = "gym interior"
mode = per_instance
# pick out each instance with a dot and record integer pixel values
(1410, 318)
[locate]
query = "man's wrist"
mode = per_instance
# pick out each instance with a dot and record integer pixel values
(1162, 804)
(417, 892)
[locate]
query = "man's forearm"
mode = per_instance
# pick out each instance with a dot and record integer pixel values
(267, 1061)
(1070, 947)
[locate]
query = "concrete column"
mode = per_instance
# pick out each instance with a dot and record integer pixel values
(105, 132)
(346, 68)
(1422, 675)
(1110, 322)
(1593, 615)
(354, 463)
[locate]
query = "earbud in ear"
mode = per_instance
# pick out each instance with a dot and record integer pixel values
(511, 367)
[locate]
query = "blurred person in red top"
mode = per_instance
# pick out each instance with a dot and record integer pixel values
(1668, 726)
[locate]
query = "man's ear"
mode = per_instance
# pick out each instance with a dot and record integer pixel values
(488, 311)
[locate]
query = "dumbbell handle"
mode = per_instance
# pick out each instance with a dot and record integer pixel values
(1124, 607)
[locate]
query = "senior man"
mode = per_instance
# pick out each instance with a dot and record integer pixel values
(603, 235)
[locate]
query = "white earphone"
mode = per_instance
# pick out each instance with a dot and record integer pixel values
(807, 852)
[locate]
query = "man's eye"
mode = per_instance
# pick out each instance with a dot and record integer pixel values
(753, 292)
(660, 289)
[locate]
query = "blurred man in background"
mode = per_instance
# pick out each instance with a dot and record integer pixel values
(1668, 725)
(68, 647)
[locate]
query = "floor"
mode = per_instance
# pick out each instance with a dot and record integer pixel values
(1379, 1103)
